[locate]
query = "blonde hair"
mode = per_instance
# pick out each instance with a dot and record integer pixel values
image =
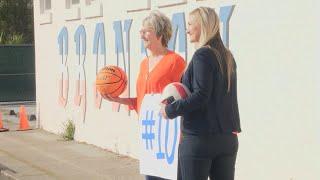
(210, 37)
(161, 24)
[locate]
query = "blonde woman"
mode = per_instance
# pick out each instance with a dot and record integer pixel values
(209, 142)
(160, 67)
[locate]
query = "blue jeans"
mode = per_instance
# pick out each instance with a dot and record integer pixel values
(211, 156)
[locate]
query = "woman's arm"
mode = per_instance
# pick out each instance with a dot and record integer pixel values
(202, 83)
(131, 102)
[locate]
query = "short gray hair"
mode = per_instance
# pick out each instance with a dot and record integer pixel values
(161, 24)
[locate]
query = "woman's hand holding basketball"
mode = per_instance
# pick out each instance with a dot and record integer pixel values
(109, 98)
(125, 101)
(111, 81)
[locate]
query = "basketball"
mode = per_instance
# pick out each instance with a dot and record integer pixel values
(174, 91)
(111, 81)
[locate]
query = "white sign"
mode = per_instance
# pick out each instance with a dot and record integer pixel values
(159, 140)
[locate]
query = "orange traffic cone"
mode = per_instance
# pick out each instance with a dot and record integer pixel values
(24, 123)
(2, 129)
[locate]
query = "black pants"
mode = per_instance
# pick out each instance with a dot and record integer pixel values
(211, 156)
(147, 177)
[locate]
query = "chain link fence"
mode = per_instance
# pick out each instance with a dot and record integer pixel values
(17, 73)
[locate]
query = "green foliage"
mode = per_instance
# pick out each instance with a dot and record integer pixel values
(2, 38)
(16, 39)
(16, 22)
(68, 131)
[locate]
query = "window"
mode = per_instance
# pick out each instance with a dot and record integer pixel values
(141, 5)
(94, 9)
(167, 3)
(72, 10)
(71, 3)
(45, 12)
(88, 2)
(45, 5)
(75, 1)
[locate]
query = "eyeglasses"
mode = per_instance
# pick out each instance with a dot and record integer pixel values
(145, 30)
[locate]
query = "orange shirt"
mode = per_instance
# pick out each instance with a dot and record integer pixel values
(169, 69)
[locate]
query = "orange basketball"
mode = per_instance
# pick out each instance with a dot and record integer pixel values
(111, 81)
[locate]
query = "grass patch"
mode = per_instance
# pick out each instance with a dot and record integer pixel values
(68, 130)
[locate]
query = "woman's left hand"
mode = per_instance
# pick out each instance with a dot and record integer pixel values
(163, 111)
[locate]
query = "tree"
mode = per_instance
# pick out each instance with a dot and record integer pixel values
(16, 22)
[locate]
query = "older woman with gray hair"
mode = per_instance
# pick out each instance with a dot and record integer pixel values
(160, 67)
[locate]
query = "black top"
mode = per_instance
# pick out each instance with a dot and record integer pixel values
(210, 109)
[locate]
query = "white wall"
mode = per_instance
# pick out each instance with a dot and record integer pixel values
(274, 43)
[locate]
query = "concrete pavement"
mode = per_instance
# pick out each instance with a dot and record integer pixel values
(39, 155)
